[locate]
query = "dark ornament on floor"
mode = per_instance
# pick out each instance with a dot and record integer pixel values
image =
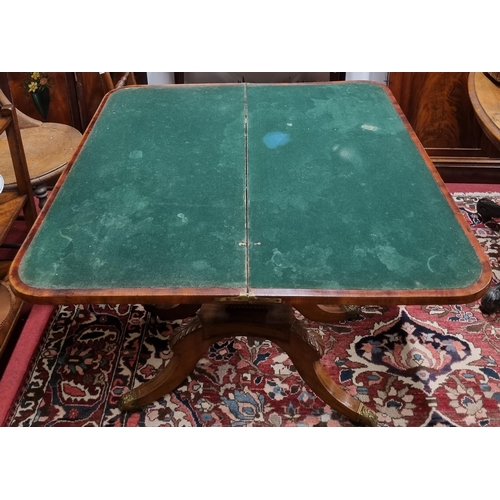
(490, 303)
(487, 209)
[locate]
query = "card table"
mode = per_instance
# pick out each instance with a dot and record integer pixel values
(243, 202)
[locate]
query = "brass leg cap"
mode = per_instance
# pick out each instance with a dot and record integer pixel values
(128, 401)
(367, 416)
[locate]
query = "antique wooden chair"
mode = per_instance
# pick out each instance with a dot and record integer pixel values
(12, 204)
(108, 82)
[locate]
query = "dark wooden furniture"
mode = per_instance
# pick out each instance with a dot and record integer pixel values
(75, 96)
(247, 201)
(12, 204)
(485, 98)
(439, 109)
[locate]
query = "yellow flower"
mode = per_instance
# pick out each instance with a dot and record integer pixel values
(35, 76)
(32, 87)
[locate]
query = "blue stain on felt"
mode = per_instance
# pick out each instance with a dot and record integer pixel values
(275, 139)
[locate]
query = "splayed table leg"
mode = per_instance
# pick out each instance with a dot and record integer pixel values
(188, 347)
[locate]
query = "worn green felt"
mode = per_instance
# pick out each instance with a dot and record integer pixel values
(323, 181)
(156, 197)
(339, 196)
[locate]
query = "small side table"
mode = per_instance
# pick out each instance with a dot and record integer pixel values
(485, 98)
(48, 149)
(484, 94)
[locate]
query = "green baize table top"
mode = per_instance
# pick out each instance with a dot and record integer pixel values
(254, 187)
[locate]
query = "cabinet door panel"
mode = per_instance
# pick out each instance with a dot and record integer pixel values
(438, 107)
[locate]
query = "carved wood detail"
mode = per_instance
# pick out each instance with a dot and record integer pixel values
(308, 335)
(186, 329)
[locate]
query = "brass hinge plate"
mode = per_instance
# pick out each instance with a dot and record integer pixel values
(248, 297)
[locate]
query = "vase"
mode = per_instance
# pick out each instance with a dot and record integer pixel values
(41, 99)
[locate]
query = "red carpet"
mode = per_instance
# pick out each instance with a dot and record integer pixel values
(415, 366)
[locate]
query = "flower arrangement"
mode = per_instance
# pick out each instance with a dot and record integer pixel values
(37, 82)
(37, 86)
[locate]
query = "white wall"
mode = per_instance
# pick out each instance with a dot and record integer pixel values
(374, 77)
(162, 78)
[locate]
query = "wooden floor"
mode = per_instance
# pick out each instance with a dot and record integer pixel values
(473, 188)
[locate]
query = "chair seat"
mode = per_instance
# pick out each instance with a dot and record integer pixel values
(48, 149)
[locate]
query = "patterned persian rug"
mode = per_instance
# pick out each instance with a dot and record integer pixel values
(418, 366)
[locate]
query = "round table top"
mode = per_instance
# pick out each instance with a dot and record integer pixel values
(485, 98)
(48, 148)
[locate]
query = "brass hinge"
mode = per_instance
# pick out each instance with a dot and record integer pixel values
(248, 297)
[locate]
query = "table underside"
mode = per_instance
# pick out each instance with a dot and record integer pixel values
(253, 189)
